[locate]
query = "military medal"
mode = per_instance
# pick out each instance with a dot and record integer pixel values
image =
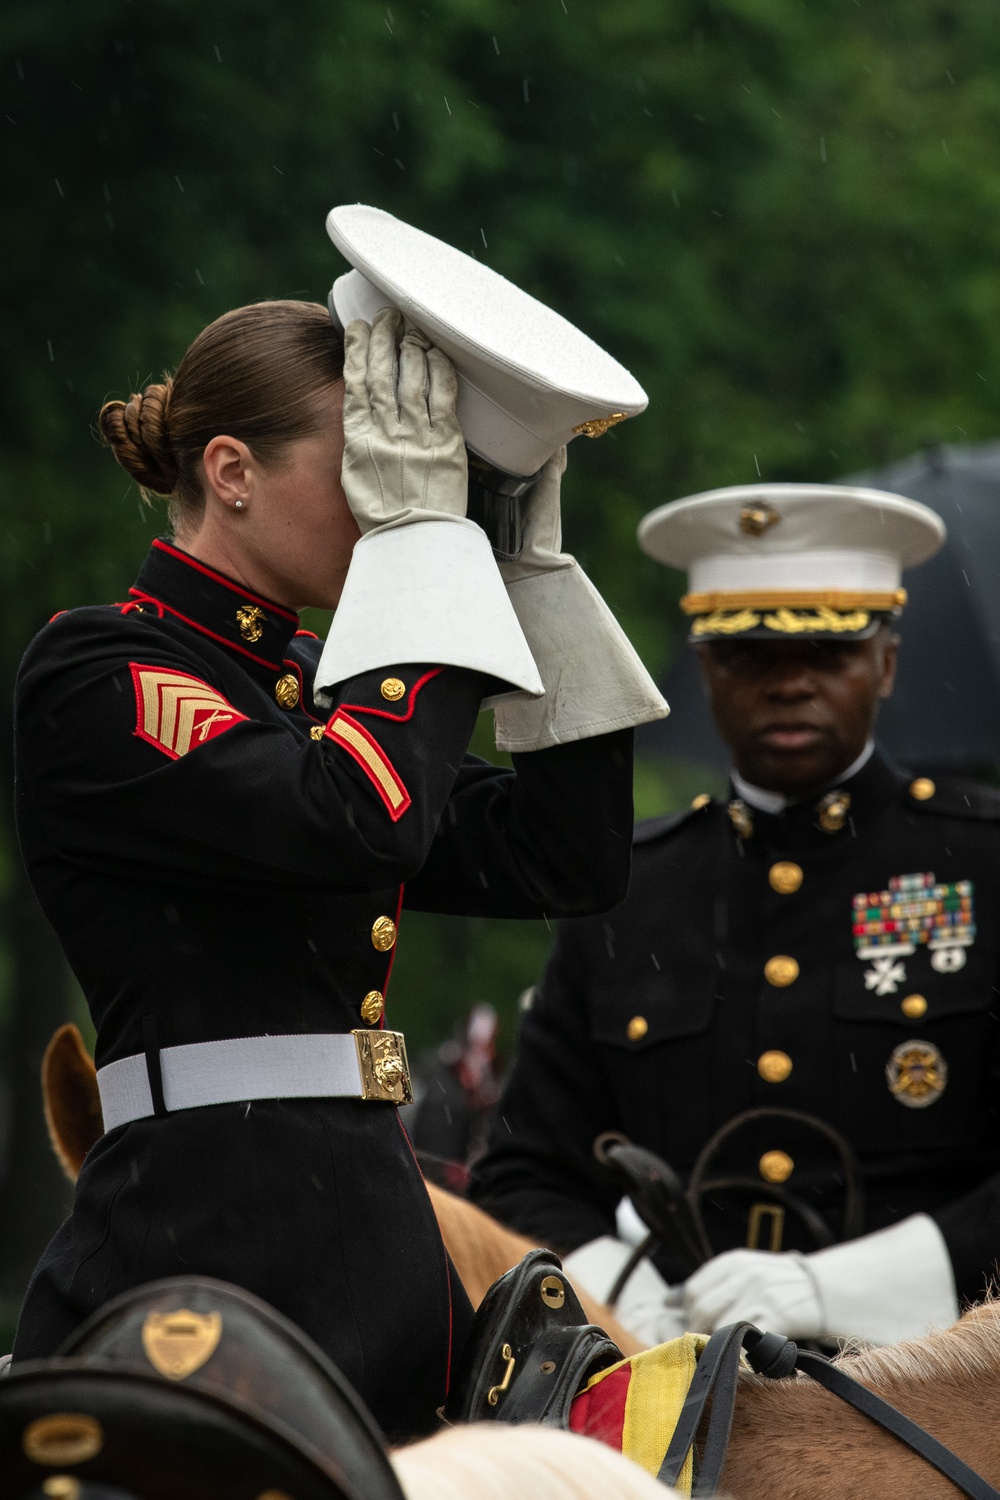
(917, 1074)
(916, 911)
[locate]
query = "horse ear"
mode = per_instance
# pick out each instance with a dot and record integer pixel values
(71, 1099)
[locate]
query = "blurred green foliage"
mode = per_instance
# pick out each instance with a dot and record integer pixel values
(781, 214)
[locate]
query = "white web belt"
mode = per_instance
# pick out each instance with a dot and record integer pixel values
(353, 1065)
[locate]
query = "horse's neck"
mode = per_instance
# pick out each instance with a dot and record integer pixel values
(792, 1439)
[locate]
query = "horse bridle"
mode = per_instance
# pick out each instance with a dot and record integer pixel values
(775, 1357)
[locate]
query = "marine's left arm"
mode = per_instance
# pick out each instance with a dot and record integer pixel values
(552, 837)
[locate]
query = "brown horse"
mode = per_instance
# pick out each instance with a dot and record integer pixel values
(481, 1249)
(793, 1439)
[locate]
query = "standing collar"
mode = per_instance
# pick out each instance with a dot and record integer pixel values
(811, 821)
(214, 605)
(774, 802)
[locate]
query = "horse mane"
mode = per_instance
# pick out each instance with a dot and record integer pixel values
(969, 1349)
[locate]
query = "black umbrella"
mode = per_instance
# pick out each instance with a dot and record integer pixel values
(945, 711)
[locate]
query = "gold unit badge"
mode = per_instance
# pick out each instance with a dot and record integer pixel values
(178, 1343)
(917, 1074)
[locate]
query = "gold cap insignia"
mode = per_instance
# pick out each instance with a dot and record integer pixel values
(917, 1074)
(598, 426)
(249, 618)
(756, 519)
(65, 1437)
(178, 1343)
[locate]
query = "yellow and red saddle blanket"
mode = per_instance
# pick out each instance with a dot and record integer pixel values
(635, 1405)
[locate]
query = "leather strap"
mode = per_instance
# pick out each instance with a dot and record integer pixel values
(894, 1421)
(717, 1376)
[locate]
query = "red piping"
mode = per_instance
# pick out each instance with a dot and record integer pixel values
(235, 588)
(384, 713)
(261, 661)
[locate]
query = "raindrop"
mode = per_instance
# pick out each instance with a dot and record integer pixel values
(756, 466)
(676, 200)
(496, 46)
(106, 191)
(483, 233)
(178, 182)
(19, 69)
(446, 104)
(399, 164)
(201, 279)
(395, 120)
(59, 189)
(278, 170)
(944, 147)
(52, 358)
(218, 55)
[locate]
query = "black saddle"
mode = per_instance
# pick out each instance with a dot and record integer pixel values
(530, 1349)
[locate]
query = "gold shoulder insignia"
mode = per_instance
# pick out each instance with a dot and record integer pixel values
(177, 712)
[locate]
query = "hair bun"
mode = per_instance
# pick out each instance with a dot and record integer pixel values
(137, 432)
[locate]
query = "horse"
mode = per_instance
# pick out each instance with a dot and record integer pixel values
(481, 1249)
(791, 1438)
(490, 1461)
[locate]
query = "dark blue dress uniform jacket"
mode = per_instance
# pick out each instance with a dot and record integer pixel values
(655, 1020)
(216, 862)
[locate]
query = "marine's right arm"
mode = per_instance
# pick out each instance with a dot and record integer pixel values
(539, 1174)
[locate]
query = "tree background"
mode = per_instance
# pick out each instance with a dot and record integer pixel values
(781, 214)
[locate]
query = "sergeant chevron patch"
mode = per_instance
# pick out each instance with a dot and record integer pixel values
(372, 759)
(177, 712)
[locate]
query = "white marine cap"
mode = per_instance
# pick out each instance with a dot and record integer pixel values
(528, 381)
(767, 560)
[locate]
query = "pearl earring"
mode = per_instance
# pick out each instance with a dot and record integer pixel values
(239, 505)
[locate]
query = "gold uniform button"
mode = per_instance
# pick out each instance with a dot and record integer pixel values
(781, 971)
(317, 731)
(702, 800)
(923, 789)
(785, 877)
(383, 934)
(372, 1007)
(776, 1166)
(393, 689)
(774, 1067)
(637, 1028)
(914, 1006)
(286, 690)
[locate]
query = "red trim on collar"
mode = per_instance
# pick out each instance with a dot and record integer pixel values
(310, 633)
(261, 661)
(227, 583)
(411, 699)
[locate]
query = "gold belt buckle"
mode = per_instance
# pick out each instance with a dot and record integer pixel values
(385, 1072)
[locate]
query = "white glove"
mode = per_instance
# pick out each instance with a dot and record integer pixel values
(404, 454)
(891, 1285)
(642, 1307)
(594, 681)
(423, 584)
(774, 1291)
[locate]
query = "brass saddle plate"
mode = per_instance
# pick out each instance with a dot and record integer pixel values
(385, 1072)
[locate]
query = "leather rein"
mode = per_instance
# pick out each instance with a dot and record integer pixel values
(769, 1354)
